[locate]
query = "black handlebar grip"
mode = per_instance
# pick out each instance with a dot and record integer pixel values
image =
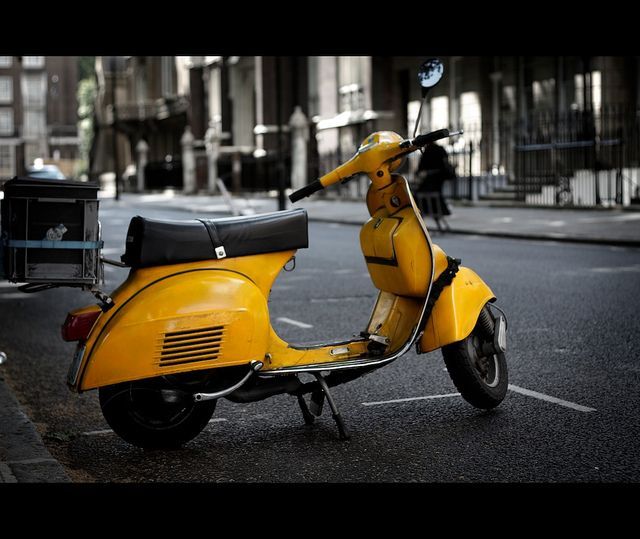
(421, 140)
(306, 191)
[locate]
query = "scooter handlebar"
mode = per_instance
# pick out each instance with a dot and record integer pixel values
(428, 138)
(306, 191)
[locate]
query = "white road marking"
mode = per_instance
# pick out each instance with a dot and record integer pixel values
(97, 432)
(31, 461)
(633, 269)
(549, 398)
(342, 271)
(281, 287)
(15, 295)
(412, 399)
(297, 277)
(516, 389)
(109, 431)
(294, 322)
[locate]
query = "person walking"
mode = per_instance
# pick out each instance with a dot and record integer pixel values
(433, 170)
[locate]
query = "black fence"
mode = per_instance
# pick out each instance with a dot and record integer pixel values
(581, 158)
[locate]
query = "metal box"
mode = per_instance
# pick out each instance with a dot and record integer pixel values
(50, 232)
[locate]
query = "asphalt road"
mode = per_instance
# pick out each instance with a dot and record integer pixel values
(572, 413)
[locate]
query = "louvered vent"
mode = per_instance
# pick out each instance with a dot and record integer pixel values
(191, 345)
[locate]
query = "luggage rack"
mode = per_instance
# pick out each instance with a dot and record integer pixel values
(51, 236)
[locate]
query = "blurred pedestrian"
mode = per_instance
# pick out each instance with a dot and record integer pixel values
(433, 170)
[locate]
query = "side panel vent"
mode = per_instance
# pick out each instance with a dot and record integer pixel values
(188, 346)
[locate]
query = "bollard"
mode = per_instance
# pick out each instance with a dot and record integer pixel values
(188, 162)
(142, 149)
(299, 137)
(212, 145)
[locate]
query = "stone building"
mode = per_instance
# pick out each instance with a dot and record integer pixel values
(528, 121)
(38, 113)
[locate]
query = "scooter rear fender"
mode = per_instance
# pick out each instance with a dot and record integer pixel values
(177, 319)
(457, 310)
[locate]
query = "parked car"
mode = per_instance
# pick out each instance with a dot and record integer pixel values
(51, 172)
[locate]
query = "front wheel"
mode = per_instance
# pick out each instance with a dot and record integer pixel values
(150, 416)
(482, 379)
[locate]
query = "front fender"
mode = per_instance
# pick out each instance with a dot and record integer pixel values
(456, 312)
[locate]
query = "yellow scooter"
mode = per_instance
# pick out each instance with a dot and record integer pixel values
(190, 324)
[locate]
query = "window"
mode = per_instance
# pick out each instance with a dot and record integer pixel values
(34, 123)
(6, 89)
(6, 121)
(6, 61)
(439, 113)
(354, 73)
(544, 93)
(595, 91)
(470, 114)
(7, 161)
(167, 76)
(34, 89)
(33, 61)
(471, 123)
(509, 98)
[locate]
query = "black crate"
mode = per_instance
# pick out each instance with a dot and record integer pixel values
(50, 232)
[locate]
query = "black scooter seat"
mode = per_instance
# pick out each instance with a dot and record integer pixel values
(153, 242)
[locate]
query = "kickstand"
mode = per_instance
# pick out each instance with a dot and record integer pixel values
(308, 417)
(344, 434)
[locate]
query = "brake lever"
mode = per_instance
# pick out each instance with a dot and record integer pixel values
(347, 179)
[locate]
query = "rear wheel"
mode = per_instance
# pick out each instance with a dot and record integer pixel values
(153, 414)
(481, 378)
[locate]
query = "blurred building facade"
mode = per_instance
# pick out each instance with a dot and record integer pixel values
(530, 123)
(38, 112)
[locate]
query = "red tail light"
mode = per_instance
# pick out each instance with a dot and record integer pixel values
(78, 326)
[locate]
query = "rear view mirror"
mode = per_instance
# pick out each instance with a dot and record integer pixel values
(430, 73)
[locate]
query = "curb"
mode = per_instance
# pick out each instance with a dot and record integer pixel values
(506, 235)
(23, 456)
(509, 235)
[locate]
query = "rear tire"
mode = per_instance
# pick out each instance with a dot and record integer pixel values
(140, 415)
(482, 380)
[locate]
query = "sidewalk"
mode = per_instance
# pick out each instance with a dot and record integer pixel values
(607, 227)
(23, 456)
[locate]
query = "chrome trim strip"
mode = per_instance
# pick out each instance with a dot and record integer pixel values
(255, 367)
(329, 366)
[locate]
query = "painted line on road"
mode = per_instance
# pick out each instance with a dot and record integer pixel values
(97, 432)
(294, 322)
(549, 398)
(516, 389)
(110, 431)
(31, 461)
(15, 295)
(411, 399)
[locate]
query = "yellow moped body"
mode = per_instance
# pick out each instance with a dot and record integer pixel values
(181, 318)
(210, 314)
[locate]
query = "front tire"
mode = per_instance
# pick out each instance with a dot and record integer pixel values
(482, 380)
(141, 414)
